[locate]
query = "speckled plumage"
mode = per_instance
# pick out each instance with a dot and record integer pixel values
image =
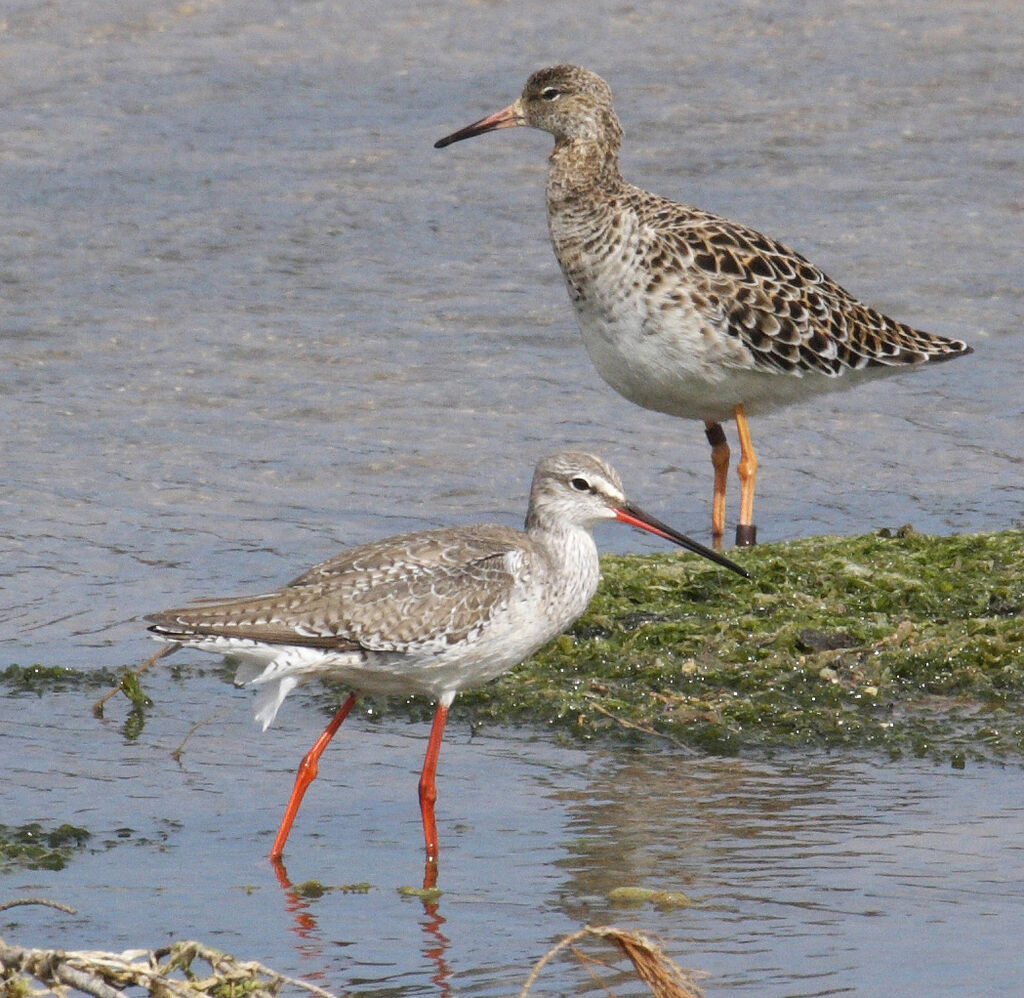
(683, 311)
(678, 305)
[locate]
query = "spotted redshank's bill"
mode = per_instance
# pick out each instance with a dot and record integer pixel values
(685, 312)
(426, 613)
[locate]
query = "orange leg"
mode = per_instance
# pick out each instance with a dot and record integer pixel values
(428, 790)
(720, 461)
(308, 769)
(746, 532)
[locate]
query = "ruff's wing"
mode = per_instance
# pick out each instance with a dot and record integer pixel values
(392, 595)
(790, 315)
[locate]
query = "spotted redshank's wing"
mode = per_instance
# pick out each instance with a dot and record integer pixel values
(791, 316)
(392, 595)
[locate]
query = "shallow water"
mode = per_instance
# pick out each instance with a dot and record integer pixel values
(809, 875)
(249, 316)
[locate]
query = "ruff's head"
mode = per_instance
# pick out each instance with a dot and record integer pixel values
(570, 102)
(573, 104)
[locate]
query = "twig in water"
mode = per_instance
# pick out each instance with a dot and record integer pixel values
(97, 707)
(180, 750)
(45, 901)
(665, 978)
(642, 727)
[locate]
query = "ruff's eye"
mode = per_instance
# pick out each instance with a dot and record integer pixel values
(550, 93)
(580, 484)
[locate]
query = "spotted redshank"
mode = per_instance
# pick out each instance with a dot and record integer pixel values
(685, 312)
(426, 613)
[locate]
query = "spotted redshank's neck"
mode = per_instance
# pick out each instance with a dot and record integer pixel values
(573, 569)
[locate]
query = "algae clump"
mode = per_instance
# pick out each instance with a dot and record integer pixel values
(33, 847)
(905, 643)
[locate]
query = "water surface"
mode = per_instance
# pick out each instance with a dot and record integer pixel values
(810, 874)
(248, 316)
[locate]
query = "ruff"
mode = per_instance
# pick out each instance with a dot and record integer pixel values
(685, 312)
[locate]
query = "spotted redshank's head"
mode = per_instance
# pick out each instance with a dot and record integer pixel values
(576, 489)
(570, 102)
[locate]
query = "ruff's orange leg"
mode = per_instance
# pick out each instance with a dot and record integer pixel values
(746, 532)
(428, 792)
(720, 461)
(308, 769)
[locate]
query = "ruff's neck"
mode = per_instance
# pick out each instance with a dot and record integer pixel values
(581, 169)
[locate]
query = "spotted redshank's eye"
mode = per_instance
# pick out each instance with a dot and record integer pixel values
(580, 484)
(550, 93)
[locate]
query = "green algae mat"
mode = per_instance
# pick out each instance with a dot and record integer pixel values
(906, 643)
(900, 643)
